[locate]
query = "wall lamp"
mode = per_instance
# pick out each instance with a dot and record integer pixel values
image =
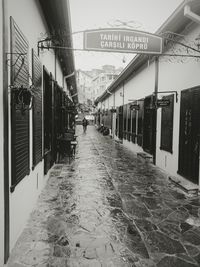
(44, 44)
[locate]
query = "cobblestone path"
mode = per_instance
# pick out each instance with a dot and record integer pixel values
(109, 209)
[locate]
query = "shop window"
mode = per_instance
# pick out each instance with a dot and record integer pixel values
(167, 125)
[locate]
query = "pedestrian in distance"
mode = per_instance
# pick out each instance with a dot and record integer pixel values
(85, 124)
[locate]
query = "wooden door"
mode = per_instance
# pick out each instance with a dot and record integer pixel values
(189, 134)
(120, 122)
(149, 125)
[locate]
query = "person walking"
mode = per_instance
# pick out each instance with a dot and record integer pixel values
(85, 124)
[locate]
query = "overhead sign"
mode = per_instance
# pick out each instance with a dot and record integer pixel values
(122, 40)
(163, 103)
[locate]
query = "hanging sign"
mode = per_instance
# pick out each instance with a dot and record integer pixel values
(134, 107)
(122, 40)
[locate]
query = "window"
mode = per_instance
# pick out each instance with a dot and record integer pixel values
(167, 125)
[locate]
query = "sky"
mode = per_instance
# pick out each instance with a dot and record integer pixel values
(144, 15)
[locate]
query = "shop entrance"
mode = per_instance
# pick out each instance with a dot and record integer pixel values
(189, 134)
(121, 122)
(149, 125)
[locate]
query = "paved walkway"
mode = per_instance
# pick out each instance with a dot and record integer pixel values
(110, 209)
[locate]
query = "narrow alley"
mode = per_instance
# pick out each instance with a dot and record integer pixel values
(109, 208)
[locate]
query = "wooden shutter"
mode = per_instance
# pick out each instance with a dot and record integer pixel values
(117, 122)
(108, 119)
(133, 117)
(125, 122)
(120, 130)
(63, 113)
(167, 125)
(19, 120)
(53, 129)
(128, 122)
(37, 109)
(140, 122)
(58, 111)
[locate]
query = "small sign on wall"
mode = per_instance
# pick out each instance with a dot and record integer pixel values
(163, 103)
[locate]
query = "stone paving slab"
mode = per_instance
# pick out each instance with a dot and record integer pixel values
(109, 208)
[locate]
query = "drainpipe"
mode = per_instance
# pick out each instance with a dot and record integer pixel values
(191, 15)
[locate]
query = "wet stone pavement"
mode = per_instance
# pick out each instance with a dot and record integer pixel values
(108, 208)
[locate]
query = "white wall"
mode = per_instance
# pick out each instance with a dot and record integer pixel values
(119, 97)
(138, 86)
(1, 143)
(177, 75)
(27, 15)
(141, 85)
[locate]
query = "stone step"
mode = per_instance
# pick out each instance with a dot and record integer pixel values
(187, 186)
(145, 156)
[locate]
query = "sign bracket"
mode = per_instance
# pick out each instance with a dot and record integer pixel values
(165, 92)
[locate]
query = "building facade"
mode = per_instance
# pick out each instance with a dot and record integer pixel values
(84, 81)
(102, 81)
(153, 106)
(37, 104)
